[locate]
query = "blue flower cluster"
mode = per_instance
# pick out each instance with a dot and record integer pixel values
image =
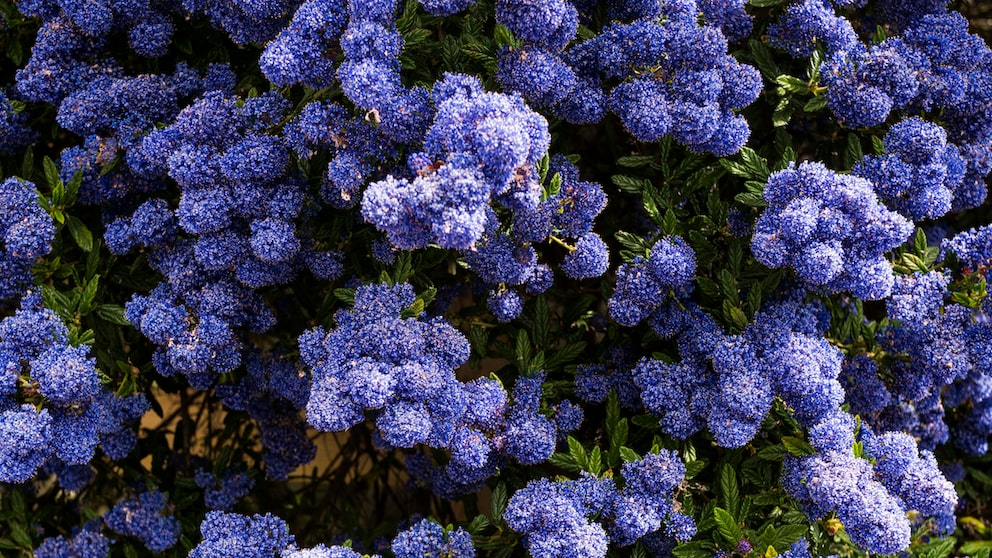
(809, 24)
(221, 493)
(272, 391)
(728, 383)
(231, 186)
(427, 538)
(831, 229)
(26, 233)
(86, 542)
(870, 493)
(377, 360)
(484, 146)
(582, 517)
(298, 54)
(676, 78)
(934, 65)
(496, 433)
(402, 370)
(643, 284)
(53, 408)
(144, 517)
(229, 535)
(14, 131)
(919, 172)
(240, 208)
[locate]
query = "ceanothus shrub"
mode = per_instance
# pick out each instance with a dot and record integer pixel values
(459, 278)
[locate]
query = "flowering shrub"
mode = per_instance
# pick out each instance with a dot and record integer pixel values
(458, 278)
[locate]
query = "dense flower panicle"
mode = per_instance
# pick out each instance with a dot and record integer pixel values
(427, 538)
(26, 233)
(810, 23)
(935, 65)
(919, 172)
(26, 435)
(831, 229)
(229, 535)
(505, 304)
(727, 383)
(222, 493)
(14, 131)
(643, 284)
(375, 359)
(973, 248)
(563, 518)
(144, 517)
(86, 542)
(840, 482)
(549, 24)
(77, 415)
(297, 54)
(729, 16)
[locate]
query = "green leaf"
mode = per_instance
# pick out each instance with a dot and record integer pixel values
(920, 242)
(734, 315)
(772, 453)
(617, 440)
(816, 103)
(729, 490)
(728, 283)
(72, 187)
(727, 526)
(112, 313)
(782, 115)
(80, 233)
(497, 502)
(89, 295)
(756, 164)
(766, 3)
(20, 536)
(543, 165)
(554, 187)
(477, 524)
(635, 161)
(735, 168)
(792, 84)
(669, 222)
(853, 153)
(878, 145)
(649, 203)
(17, 504)
(51, 172)
(630, 184)
(789, 533)
(693, 468)
(976, 548)
(764, 59)
(522, 351)
(939, 549)
(628, 454)
(345, 295)
(694, 549)
(27, 165)
(404, 267)
(797, 446)
(577, 452)
(595, 461)
(505, 37)
(612, 411)
(564, 461)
